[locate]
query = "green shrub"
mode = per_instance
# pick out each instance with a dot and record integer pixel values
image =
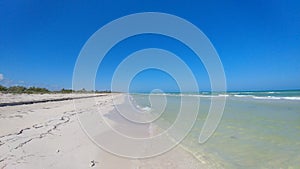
(16, 89)
(3, 89)
(33, 90)
(66, 91)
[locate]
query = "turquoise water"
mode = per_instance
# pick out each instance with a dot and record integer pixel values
(257, 130)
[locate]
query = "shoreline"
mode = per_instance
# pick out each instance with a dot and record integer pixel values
(154, 129)
(48, 135)
(196, 155)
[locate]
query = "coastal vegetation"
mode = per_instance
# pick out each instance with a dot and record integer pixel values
(39, 90)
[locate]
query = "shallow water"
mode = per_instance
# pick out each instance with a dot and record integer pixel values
(257, 130)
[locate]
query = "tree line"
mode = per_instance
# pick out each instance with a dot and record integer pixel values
(39, 90)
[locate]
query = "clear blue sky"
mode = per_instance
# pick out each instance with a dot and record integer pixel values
(258, 41)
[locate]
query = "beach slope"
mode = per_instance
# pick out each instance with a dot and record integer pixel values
(48, 135)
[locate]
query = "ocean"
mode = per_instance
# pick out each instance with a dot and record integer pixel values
(257, 129)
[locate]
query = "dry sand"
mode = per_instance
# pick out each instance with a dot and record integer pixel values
(48, 135)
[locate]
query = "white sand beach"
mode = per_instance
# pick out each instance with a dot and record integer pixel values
(48, 135)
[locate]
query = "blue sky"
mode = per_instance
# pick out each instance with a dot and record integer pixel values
(258, 41)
